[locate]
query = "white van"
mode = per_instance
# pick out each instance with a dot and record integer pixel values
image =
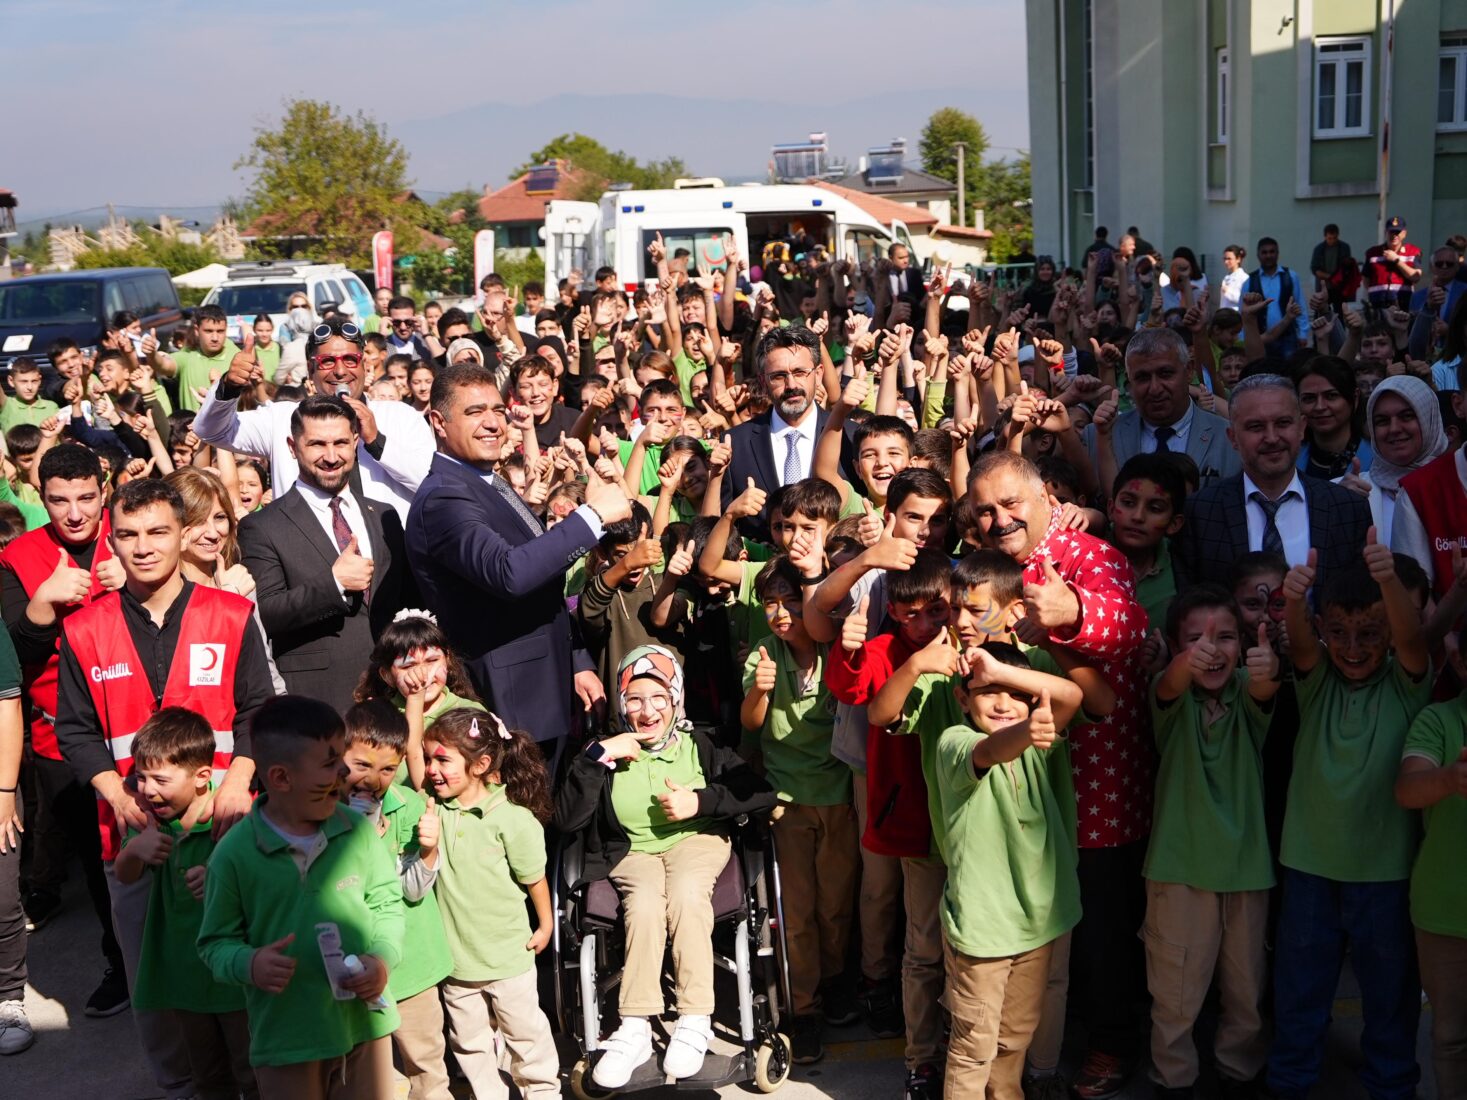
(260, 287)
(616, 231)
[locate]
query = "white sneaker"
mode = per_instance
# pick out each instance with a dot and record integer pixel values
(15, 1029)
(686, 1046)
(628, 1047)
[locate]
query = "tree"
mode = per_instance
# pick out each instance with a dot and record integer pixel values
(601, 166)
(330, 177)
(1006, 196)
(945, 128)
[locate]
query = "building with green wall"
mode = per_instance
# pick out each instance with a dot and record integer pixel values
(1213, 122)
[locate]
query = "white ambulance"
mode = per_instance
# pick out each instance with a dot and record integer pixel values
(701, 216)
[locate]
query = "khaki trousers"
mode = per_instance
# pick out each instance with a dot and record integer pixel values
(219, 1054)
(1443, 962)
(419, 1042)
(881, 899)
(364, 1073)
(818, 857)
(922, 963)
(510, 1006)
(1190, 935)
(669, 896)
(1049, 1036)
(995, 1006)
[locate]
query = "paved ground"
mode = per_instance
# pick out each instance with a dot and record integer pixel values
(78, 1057)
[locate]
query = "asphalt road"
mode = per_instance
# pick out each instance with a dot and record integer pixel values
(74, 1056)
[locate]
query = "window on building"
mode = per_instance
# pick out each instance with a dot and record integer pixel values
(1224, 78)
(1341, 87)
(1451, 85)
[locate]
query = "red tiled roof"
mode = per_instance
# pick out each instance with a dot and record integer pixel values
(942, 229)
(883, 210)
(513, 202)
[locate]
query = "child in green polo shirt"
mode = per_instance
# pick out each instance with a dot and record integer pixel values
(652, 803)
(1008, 805)
(173, 760)
(1145, 512)
(294, 892)
(1208, 867)
(1348, 845)
(376, 742)
(493, 793)
(1433, 779)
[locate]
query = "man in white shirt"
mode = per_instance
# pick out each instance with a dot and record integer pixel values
(395, 446)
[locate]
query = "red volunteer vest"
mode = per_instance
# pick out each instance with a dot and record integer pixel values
(201, 677)
(32, 558)
(1436, 494)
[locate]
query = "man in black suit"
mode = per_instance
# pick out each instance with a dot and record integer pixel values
(1270, 505)
(330, 565)
(494, 575)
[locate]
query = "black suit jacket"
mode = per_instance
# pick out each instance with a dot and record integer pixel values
(753, 456)
(498, 589)
(321, 640)
(1216, 532)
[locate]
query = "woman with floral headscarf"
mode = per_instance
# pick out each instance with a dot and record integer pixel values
(1404, 422)
(653, 802)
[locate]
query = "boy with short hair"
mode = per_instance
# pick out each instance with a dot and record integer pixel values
(1208, 867)
(293, 890)
(173, 761)
(788, 717)
(26, 405)
(882, 446)
(1146, 510)
(1347, 845)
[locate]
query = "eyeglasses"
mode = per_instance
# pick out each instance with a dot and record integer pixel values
(327, 329)
(326, 362)
(1445, 263)
(783, 377)
(636, 704)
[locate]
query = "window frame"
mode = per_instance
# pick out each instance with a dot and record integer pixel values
(1223, 87)
(1456, 49)
(1340, 60)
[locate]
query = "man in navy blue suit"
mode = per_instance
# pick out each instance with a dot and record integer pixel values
(494, 575)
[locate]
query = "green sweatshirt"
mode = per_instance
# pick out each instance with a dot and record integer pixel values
(425, 958)
(255, 894)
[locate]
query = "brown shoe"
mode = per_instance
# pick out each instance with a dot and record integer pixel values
(1101, 1076)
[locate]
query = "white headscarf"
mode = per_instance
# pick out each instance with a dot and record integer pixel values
(1422, 398)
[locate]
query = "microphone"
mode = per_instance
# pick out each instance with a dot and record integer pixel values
(343, 390)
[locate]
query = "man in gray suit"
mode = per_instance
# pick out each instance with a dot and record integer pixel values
(1165, 417)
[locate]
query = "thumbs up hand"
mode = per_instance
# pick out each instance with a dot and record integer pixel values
(1300, 579)
(66, 585)
(678, 803)
(853, 631)
(748, 503)
(1042, 731)
(765, 672)
(1262, 662)
(429, 828)
(1379, 559)
(1051, 603)
(870, 527)
(681, 562)
(270, 967)
(890, 551)
(152, 844)
(1354, 481)
(857, 389)
(352, 571)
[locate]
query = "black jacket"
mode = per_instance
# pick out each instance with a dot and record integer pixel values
(583, 802)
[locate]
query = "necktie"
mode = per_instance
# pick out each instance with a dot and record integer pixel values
(1273, 542)
(340, 529)
(1163, 436)
(792, 458)
(527, 517)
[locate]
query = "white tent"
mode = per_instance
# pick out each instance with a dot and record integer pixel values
(205, 278)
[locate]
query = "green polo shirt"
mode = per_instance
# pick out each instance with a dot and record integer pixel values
(747, 615)
(1439, 878)
(1207, 827)
(170, 973)
(1011, 848)
(488, 853)
(651, 463)
(1342, 820)
(425, 958)
(795, 740)
(636, 785)
(1156, 588)
(16, 411)
(686, 369)
(194, 368)
(269, 359)
(255, 895)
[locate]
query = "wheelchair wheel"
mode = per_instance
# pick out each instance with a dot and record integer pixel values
(772, 1063)
(582, 1086)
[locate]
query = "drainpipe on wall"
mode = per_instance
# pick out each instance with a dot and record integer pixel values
(1064, 159)
(1387, 77)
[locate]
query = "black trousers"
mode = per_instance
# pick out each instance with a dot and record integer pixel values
(74, 810)
(1107, 957)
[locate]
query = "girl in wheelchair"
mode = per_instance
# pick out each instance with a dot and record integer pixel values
(654, 801)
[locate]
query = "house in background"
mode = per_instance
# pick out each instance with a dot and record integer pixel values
(1219, 121)
(883, 171)
(516, 211)
(931, 238)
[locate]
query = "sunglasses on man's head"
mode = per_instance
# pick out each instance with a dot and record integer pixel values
(327, 329)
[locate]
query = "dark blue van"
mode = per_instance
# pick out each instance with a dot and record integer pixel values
(37, 309)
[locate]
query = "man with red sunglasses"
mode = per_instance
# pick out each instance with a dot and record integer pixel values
(395, 446)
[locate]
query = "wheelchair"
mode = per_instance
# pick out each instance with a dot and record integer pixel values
(749, 956)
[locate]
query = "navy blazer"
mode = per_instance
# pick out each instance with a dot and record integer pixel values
(753, 456)
(1216, 532)
(498, 590)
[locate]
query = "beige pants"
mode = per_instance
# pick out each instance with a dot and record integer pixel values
(365, 1073)
(1443, 961)
(995, 1007)
(818, 858)
(511, 1006)
(219, 1054)
(1049, 1036)
(881, 900)
(669, 896)
(1191, 935)
(922, 965)
(419, 1042)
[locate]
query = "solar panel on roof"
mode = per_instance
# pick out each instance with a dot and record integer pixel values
(543, 179)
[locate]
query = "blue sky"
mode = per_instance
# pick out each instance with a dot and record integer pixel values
(109, 103)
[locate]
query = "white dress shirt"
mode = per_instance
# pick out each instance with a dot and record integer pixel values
(804, 432)
(1178, 441)
(1292, 520)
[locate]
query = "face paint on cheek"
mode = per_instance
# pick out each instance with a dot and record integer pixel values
(1276, 604)
(990, 619)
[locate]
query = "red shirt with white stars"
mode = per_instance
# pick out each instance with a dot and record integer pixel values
(1114, 759)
